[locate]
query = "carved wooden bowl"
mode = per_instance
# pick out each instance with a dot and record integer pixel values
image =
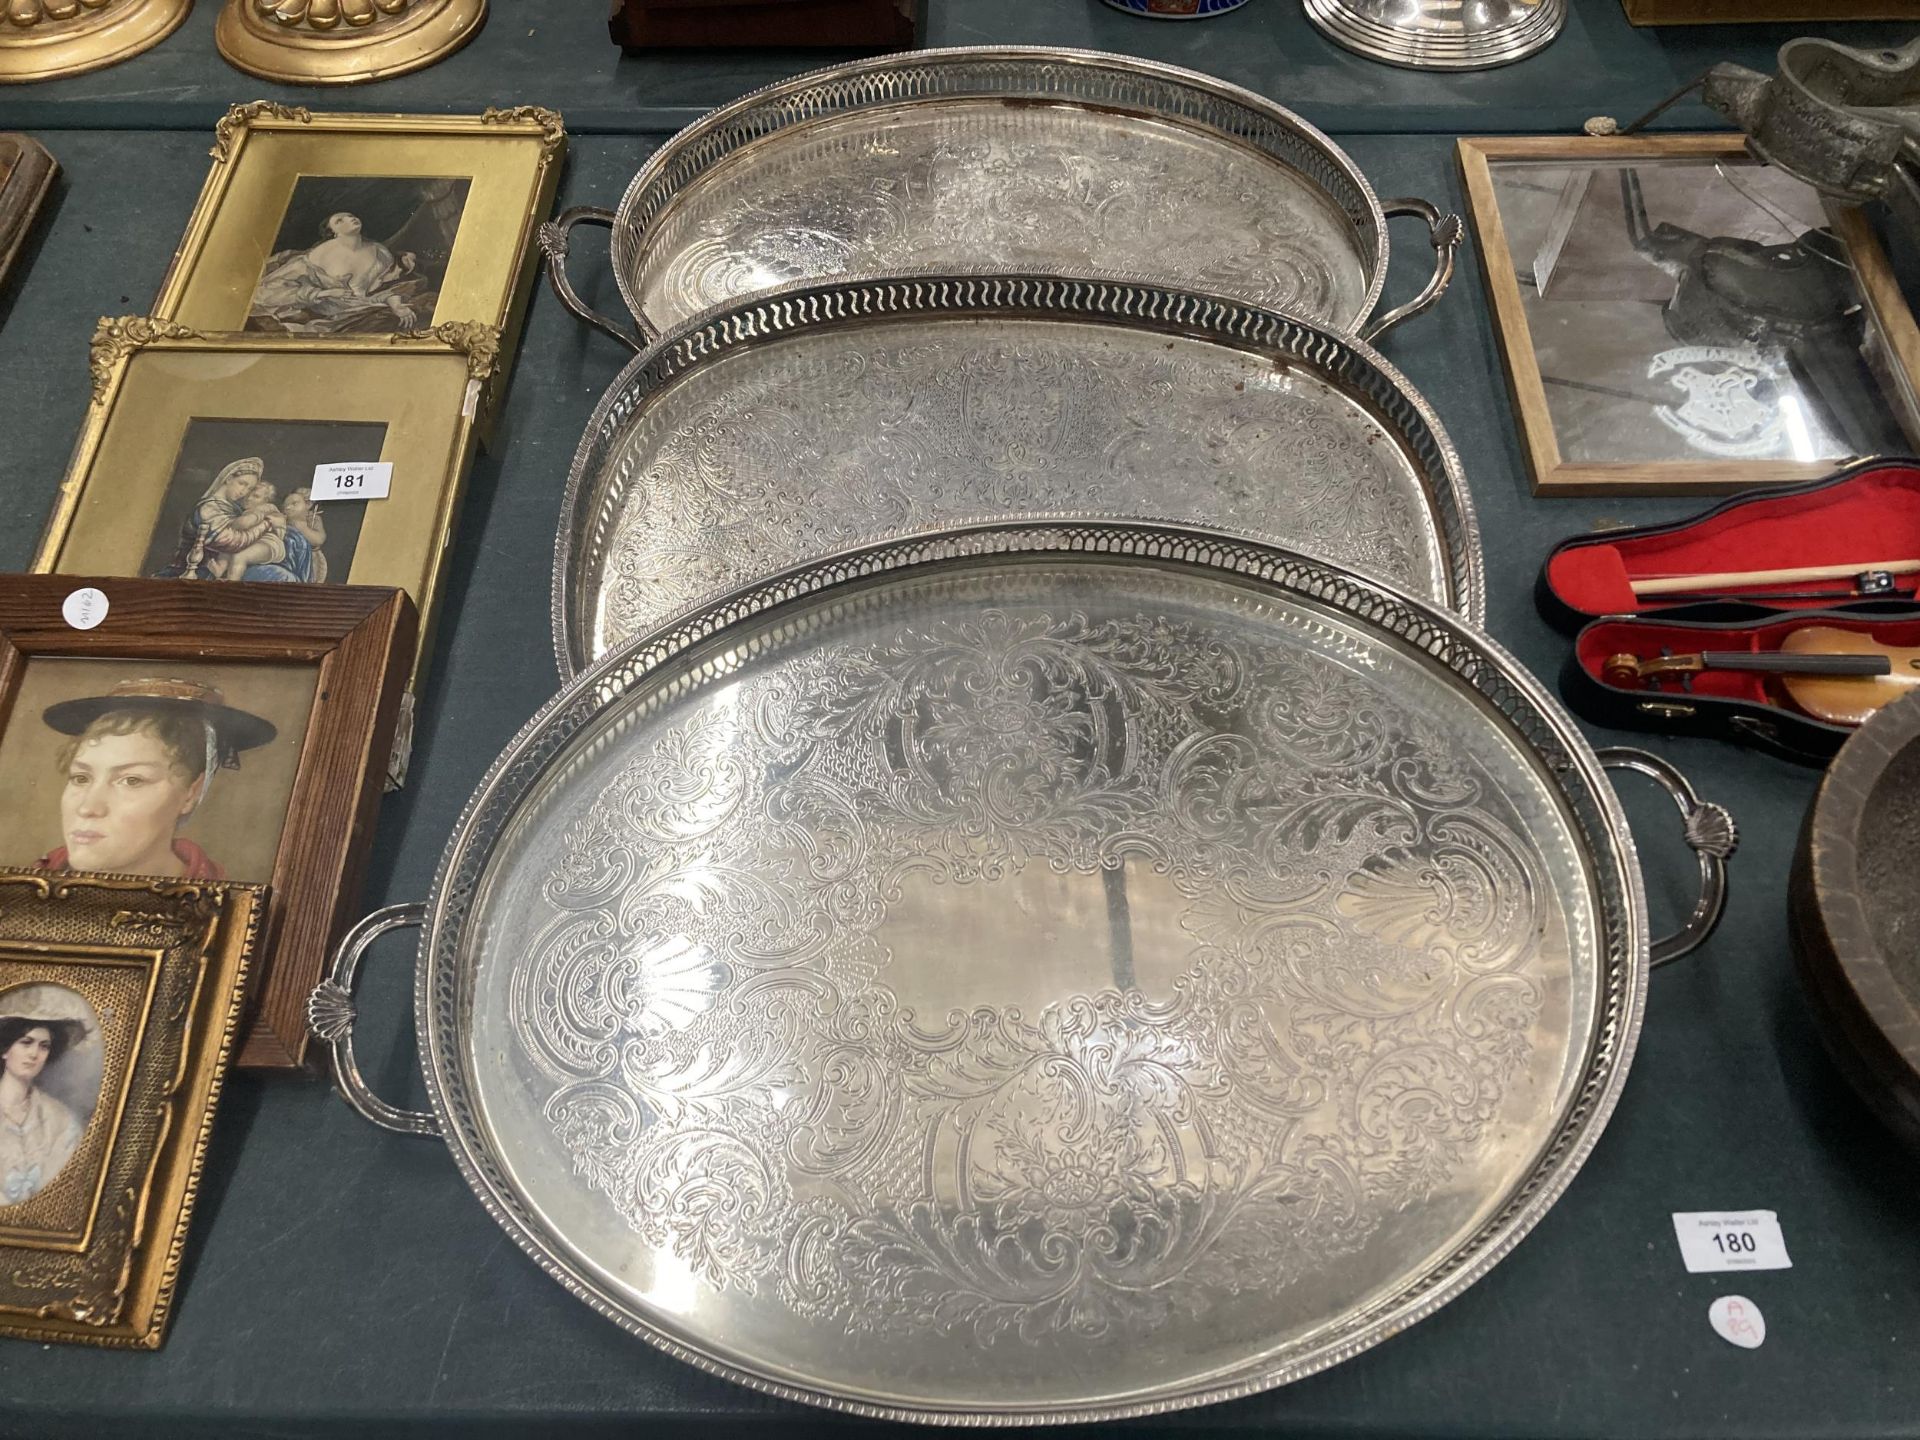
(1855, 906)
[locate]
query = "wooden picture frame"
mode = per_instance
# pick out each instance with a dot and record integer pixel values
(334, 659)
(130, 992)
(172, 407)
(27, 173)
(274, 164)
(1892, 346)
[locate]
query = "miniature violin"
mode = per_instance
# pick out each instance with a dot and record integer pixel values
(1839, 676)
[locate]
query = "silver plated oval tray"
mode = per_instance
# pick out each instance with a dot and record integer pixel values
(1033, 972)
(797, 425)
(1003, 159)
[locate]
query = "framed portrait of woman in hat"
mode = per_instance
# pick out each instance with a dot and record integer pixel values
(203, 733)
(184, 774)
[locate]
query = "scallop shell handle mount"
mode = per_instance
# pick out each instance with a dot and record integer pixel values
(556, 238)
(1709, 830)
(1443, 233)
(331, 1014)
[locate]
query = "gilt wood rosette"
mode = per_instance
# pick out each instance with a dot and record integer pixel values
(343, 42)
(45, 39)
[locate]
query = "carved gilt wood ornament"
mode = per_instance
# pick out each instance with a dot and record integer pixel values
(45, 39)
(343, 42)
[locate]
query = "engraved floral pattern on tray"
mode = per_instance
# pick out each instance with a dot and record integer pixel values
(990, 184)
(730, 1063)
(777, 454)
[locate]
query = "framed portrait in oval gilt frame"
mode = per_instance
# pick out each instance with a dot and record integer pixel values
(205, 733)
(120, 1000)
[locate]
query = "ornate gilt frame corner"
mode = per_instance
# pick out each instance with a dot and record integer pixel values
(192, 943)
(38, 44)
(550, 124)
(1551, 472)
(297, 42)
(231, 128)
(116, 338)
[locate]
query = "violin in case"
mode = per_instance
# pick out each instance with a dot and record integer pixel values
(1782, 618)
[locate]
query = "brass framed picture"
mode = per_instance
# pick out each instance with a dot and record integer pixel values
(199, 455)
(1674, 316)
(322, 226)
(203, 732)
(119, 1002)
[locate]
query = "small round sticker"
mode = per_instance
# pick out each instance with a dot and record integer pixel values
(84, 608)
(1738, 1321)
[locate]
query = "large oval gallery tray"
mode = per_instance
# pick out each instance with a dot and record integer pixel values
(1033, 972)
(1003, 159)
(797, 425)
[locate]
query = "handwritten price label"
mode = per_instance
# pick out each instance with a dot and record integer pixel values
(84, 608)
(1738, 1321)
(365, 481)
(1731, 1240)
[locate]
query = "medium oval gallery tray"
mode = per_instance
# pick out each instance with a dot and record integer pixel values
(797, 425)
(1032, 972)
(1003, 159)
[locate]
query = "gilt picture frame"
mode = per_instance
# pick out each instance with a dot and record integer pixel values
(1673, 317)
(120, 1000)
(206, 733)
(180, 418)
(443, 211)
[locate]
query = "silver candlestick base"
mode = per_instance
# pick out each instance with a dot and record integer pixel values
(1440, 34)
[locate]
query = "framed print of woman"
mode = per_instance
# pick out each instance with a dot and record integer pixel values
(344, 282)
(42, 1027)
(140, 763)
(237, 532)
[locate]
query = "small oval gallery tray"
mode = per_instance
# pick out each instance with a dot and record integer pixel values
(1033, 972)
(800, 424)
(1003, 159)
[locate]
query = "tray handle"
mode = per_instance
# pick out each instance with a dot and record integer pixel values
(556, 236)
(1709, 830)
(1443, 233)
(330, 1016)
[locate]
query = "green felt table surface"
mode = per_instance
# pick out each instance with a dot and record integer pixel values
(343, 1279)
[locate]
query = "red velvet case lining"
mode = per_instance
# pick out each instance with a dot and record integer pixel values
(1649, 639)
(1872, 516)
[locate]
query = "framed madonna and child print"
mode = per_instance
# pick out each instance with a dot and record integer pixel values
(202, 733)
(199, 455)
(120, 1000)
